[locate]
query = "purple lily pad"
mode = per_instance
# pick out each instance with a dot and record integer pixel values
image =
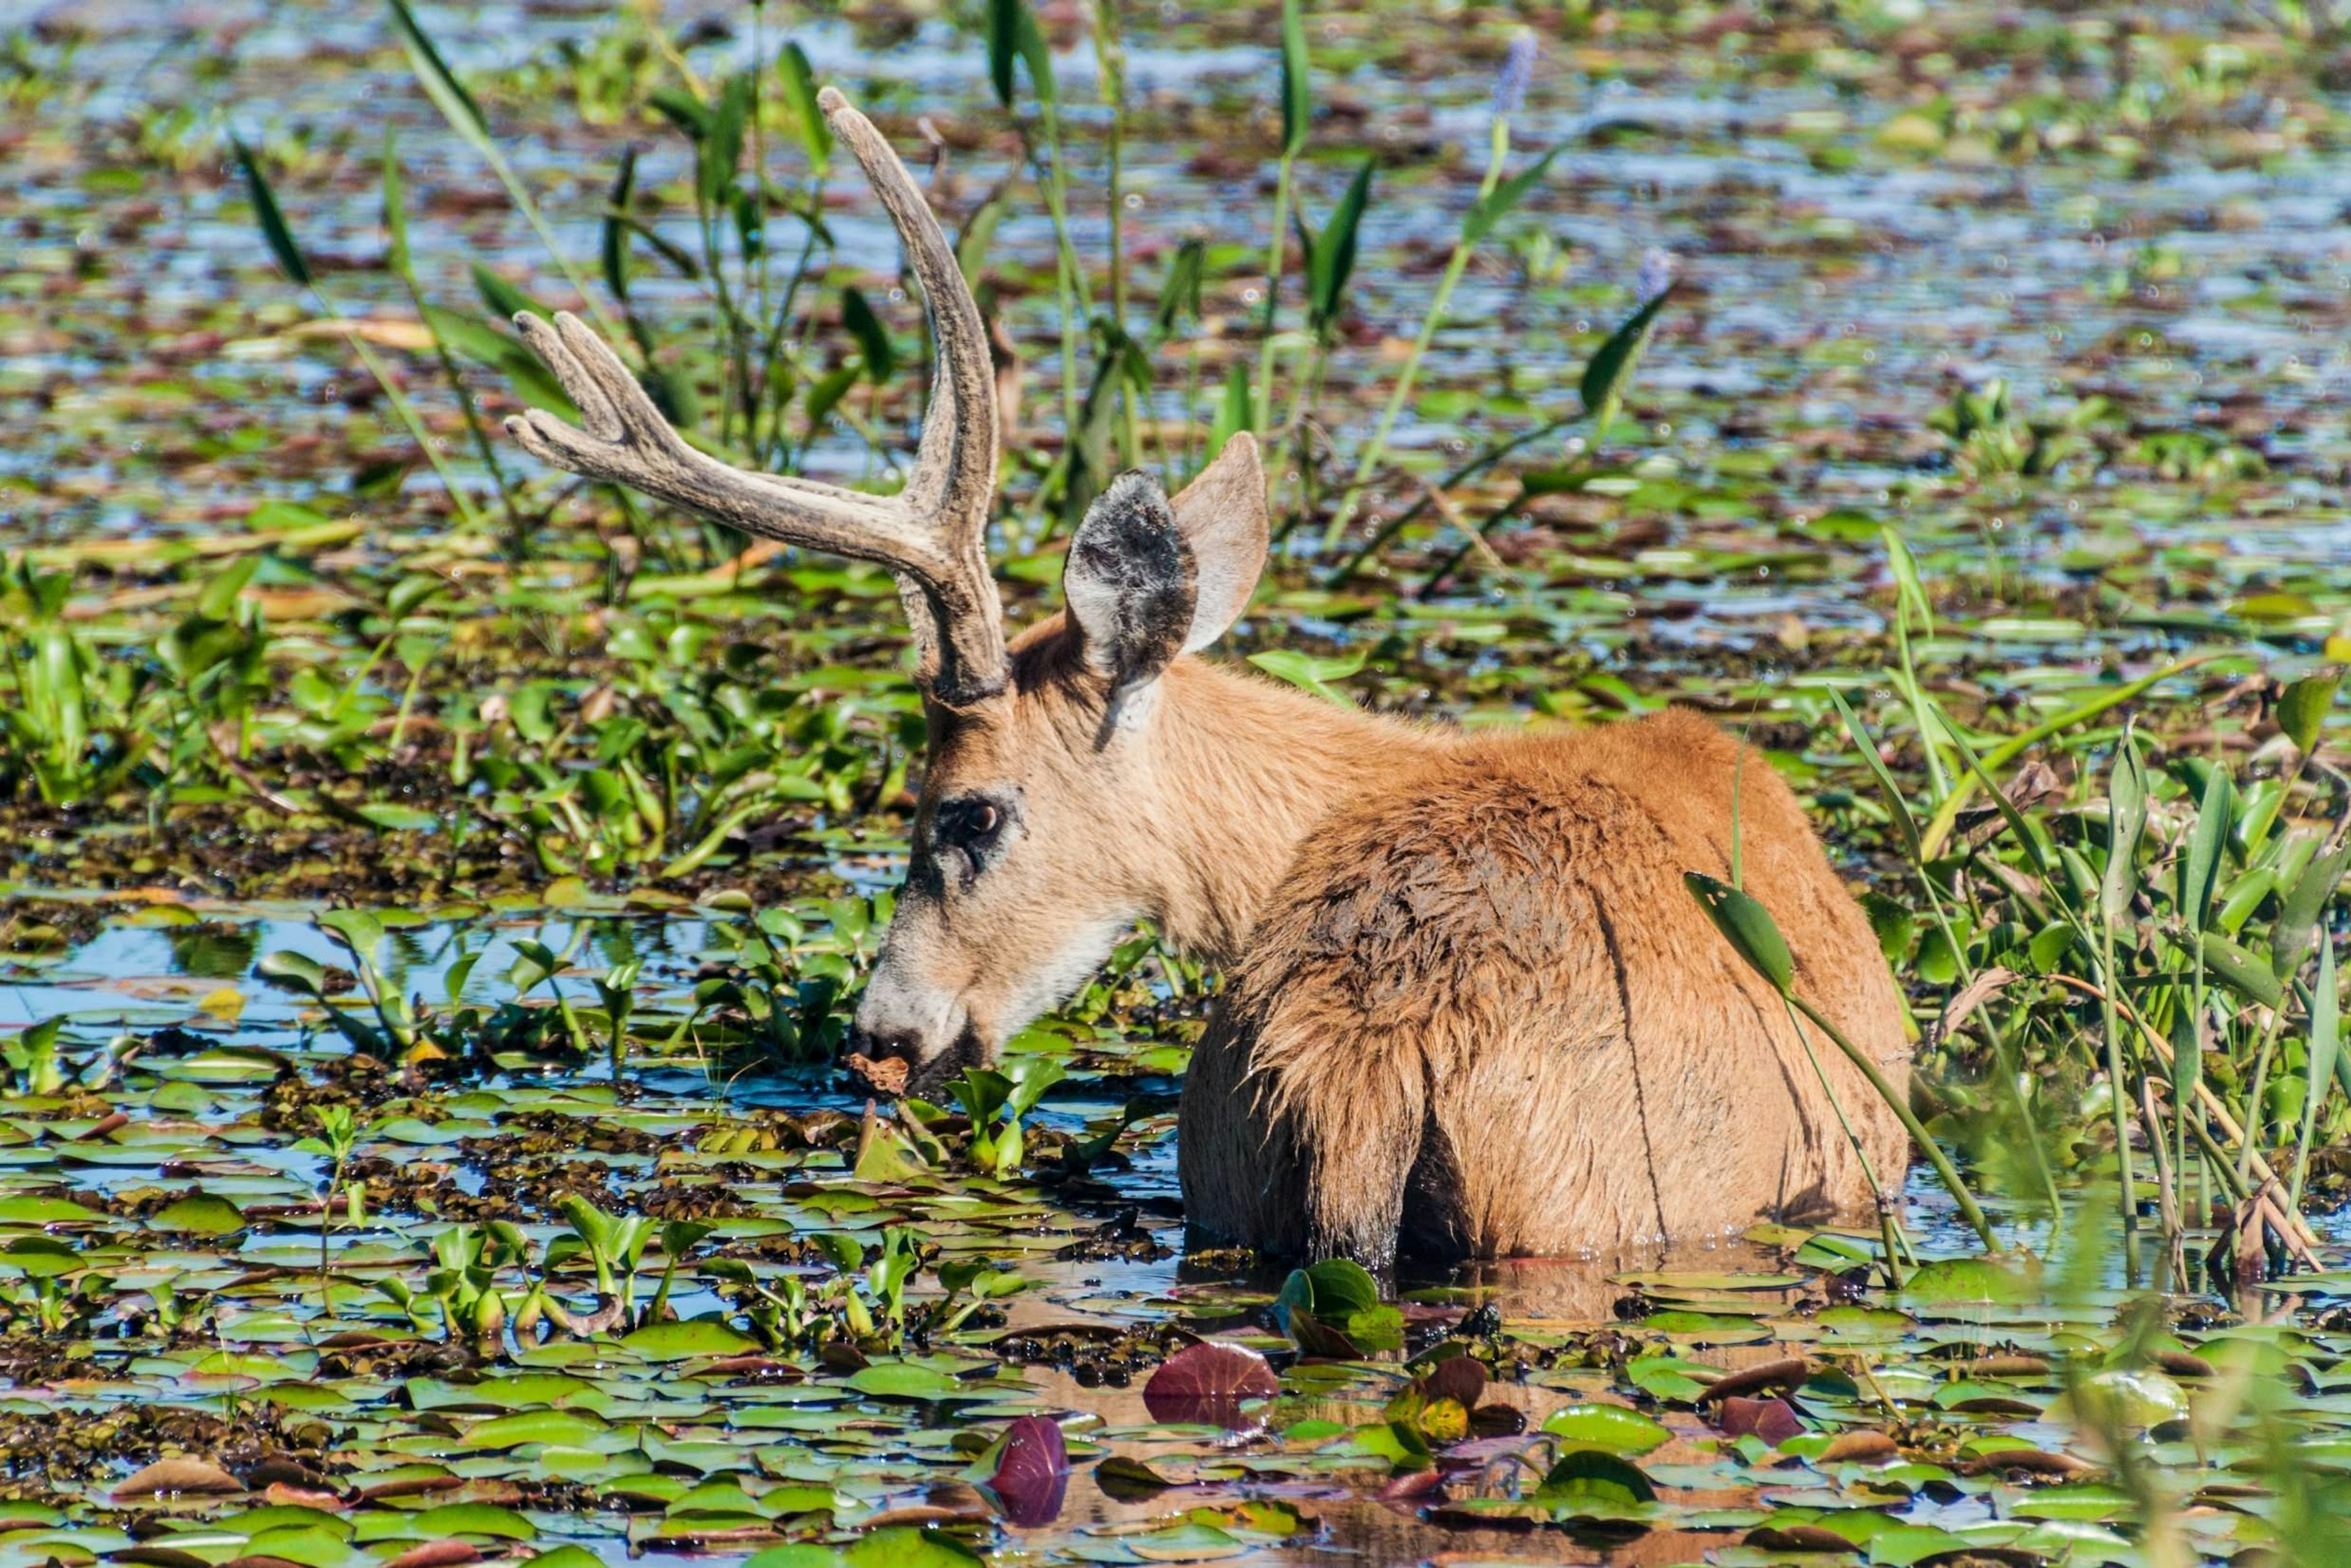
(1032, 1472)
(1207, 1384)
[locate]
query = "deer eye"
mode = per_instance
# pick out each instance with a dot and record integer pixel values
(971, 825)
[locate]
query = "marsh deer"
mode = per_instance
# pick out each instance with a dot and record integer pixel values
(1470, 1009)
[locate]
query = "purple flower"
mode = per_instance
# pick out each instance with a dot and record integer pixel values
(1656, 275)
(1518, 68)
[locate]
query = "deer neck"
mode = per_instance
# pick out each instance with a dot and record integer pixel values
(1249, 767)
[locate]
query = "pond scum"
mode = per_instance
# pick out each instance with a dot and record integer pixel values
(432, 891)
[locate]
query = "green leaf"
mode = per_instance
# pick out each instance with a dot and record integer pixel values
(43, 1211)
(564, 1428)
(1297, 82)
(614, 246)
(199, 1214)
(441, 84)
(470, 1518)
(692, 1337)
(720, 155)
(2125, 824)
(1496, 204)
(398, 818)
(902, 1546)
(217, 601)
(357, 929)
(505, 300)
(1610, 368)
(1237, 410)
(1747, 925)
(395, 209)
(872, 336)
(797, 80)
(293, 971)
(2326, 1046)
(2240, 971)
(1331, 255)
(2304, 707)
(1896, 805)
(1609, 1426)
(1595, 1474)
(1961, 1281)
(907, 1380)
(266, 212)
(1311, 672)
(2199, 862)
(1013, 35)
(2298, 911)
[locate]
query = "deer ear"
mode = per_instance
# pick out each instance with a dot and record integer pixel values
(1222, 516)
(1128, 580)
(1148, 578)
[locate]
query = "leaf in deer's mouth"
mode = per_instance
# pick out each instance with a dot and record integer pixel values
(887, 1076)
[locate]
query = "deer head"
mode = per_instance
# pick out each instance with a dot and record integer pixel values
(1050, 820)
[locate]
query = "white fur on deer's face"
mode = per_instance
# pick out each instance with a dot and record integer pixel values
(1038, 842)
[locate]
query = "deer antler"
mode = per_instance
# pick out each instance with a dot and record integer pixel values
(933, 534)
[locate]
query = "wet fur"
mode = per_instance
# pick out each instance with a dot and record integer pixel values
(1480, 1016)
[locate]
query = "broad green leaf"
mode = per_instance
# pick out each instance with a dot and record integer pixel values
(1747, 926)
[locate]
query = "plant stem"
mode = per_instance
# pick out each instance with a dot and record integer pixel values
(1454, 263)
(1947, 814)
(1949, 1177)
(1272, 291)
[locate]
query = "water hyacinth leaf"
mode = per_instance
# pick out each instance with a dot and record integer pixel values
(2126, 825)
(2297, 918)
(797, 80)
(357, 929)
(1296, 81)
(270, 216)
(2240, 971)
(1747, 926)
(2208, 838)
(2301, 710)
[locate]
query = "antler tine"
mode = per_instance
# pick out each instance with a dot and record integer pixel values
(953, 486)
(934, 534)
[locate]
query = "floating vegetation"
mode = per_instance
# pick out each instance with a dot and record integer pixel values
(432, 892)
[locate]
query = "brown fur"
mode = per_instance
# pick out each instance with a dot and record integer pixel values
(1473, 1011)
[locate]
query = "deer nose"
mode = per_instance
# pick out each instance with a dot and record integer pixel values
(884, 1043)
